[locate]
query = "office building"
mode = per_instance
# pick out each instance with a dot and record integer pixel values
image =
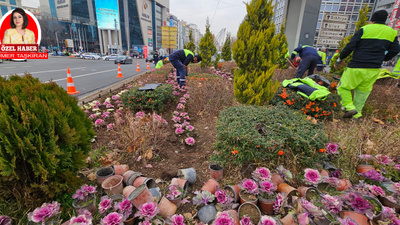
(7, 5)
(279, 13)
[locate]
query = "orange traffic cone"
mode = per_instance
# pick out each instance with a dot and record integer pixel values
(137, 67)
(148, 66)
(70, 84)
(119, 72)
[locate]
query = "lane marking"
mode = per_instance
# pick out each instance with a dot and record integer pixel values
(84, 75)
(49, 71)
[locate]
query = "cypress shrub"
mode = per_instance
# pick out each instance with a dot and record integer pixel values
(44, 139)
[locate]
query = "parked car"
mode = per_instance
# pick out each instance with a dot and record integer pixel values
(136, 55)
(111, 57)
(149, 59)
(123, 59)
(1, 60)
(19, 60)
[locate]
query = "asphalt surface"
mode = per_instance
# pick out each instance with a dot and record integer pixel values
(88, 76)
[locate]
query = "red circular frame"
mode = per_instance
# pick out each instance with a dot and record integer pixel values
(31, 26)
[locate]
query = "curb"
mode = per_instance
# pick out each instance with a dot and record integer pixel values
(98, 93)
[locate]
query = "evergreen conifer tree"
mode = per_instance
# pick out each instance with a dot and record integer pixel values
(362, 21)
(283, 49)
(207, 47)
(190, 45)
(256, 54)
(226, 49)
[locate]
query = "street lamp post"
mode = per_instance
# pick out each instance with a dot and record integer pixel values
(116, 32)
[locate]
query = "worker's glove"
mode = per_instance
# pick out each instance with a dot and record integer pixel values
(339, 63)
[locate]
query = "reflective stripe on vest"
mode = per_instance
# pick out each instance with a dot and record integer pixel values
(378, 31)
(187, 52)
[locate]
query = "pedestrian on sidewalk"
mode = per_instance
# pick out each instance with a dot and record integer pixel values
(180, 60)
(371, 45)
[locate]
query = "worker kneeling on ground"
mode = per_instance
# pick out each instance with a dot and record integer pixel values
(309, 58)
(368, 45)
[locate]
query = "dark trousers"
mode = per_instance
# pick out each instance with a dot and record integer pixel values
(307, 63)
(180, 70)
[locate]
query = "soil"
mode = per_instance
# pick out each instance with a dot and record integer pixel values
(250, 211)
(170, 156)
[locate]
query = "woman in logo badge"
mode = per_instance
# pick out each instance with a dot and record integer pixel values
(18, 34)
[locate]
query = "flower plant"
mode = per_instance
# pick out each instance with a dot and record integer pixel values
(267, 190)
(267, 220)
(245, 221)
(147, 211)
(46, 212)
(354, 201)
(223, 218)
(174, 192)
(249, 186)
(261, 174)
(284, 173)
(81, 219)
(113, 219)
(279, 204)
(178, 220)
(332, 203)
(312, 177)
(203, 198)
(373, 175)
(124, 207)
(5, 220)
(105, 205)
(225, 200)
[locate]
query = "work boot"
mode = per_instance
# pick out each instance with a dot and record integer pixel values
(350, 114)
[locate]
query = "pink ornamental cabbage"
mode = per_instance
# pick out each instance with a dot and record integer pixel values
(261, 174)
(303, 218)
(98, 122)
(176, 93)
(44, 212)
(332, 203)
(176, 119)
(109, 106)
(140, 114)
(147, 211)
(112, 219)
(86, 213)
(110, 126)
(80, 220)
(332, 148)
(221, 196)
(93, 116)
(397, 167)
(105, 204)
(383, 159)
(267, 187)
(245, 221)
(278, 203)
(312, 177)
(5, 220)
(185, 123)
(190, 128)
(115, 97)
(183, 114)
(178, 220)
(180, 106)
(124, 208)
(396, 188)
(177, 125)
(186, 95)
(373, 175)
(376, 190)
(176, 113)
(190, 141)
(250, 186)
(267, 220)
(179, 130)
(223, 218)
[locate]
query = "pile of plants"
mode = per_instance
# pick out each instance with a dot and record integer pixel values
(44, 139)
(248, 134)
(319, 109)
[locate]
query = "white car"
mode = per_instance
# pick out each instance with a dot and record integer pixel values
(92, 56)
(110, 57)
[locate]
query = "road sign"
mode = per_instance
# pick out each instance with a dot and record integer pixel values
(169, 37)
(334, 26)
(332, 34)
(327, 41)
(336, 18)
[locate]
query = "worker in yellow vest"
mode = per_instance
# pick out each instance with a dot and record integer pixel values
(322, 62)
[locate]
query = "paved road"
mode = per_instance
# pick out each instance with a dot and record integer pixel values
(88, 75)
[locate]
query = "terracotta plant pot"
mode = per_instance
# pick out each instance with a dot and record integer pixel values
(266, 205)
(132, 177)
(130, 221)
(182, 183)
(358, 217)
(250, 210)
(324, 173)
(166, 208)
(120, 169)
(149, 182)
(104, 173)
(234, 189)
(286, 188)
(127, 174)
(216, 171)
(207, 214)
(243, 198)
(117, 197)
(234, 214)
(89, 205)
(307, 192)
(210, 186)
(140, 196)
(276, 179)
(288, 220)
(343, 185)
(188, 174)
(364, 168)
(113, 185)
(386, 202)
(128, 191)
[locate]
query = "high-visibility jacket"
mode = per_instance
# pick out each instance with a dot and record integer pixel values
(159, 64)
(323, 56)
(396, 70)
(307, 88)
(369, 45)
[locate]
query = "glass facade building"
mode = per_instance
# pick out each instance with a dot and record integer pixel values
(342, 7)
(279, 13)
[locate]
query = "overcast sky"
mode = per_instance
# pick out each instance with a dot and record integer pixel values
(222, 13)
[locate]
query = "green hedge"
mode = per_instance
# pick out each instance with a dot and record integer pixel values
(154, 100)
(247, 134)
(44, 139)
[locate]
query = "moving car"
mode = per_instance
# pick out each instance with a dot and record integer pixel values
(92, 56)
(149, 59)
(123, 59)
